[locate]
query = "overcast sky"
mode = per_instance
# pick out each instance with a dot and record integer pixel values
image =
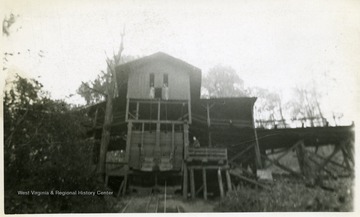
(272, 44)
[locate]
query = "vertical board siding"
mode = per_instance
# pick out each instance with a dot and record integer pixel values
(149, 146)
(139, 80)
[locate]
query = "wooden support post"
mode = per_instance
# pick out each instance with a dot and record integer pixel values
(221, 187)
(185, 181)
(257, 147)
(300, 153)
(128, 142)
(172, 141)
(345, 157)
(208, 123)
(127, 110)
(142, 138)
(189, 111)
(127, 155)
(192, 183)
(106, 180)
(137, 111)
(186, 140)
(204, 183)
(157, 153)
(228, 180)
(125, 179)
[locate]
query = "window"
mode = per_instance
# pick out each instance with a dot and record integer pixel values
(152, 80)
(166, 80)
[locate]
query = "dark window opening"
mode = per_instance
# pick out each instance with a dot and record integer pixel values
(152, 79)
(166, 80)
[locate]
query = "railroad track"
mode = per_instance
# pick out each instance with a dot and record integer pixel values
(156, 203)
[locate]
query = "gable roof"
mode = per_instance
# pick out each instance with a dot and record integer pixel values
(123, 70)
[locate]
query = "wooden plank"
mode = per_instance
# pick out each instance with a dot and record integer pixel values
(204, 183)
(209, 167)
(192, 183)
(221, 187)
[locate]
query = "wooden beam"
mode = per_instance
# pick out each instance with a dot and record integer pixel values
(328, 159)
(137, 111)
(127, 110)
(157, 121)
(172, 141)
(241, 153)
(120, 188)
(192, 183)
(300, 153)
(228, 180)
(286, 152)
(204, 183)
(128, 142)
(199, 189)
(221, 187)
(249, 180)
(208, 167)
(276, 163)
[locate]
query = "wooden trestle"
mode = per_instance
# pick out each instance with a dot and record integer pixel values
(203, 160)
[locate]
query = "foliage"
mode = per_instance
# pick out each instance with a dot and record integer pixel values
(223, 81)
(95, 91)
(45, 148)
(290, 195)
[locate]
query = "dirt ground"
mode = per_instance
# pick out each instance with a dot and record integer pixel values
(174, 203)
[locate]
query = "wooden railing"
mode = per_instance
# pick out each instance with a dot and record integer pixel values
(206, 154)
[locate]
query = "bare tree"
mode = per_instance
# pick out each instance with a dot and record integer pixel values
(111, 90)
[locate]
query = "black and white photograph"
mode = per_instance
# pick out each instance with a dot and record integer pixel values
(193, 106)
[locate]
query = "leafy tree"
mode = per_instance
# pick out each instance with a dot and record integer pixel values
(223, 81)
(45, 148)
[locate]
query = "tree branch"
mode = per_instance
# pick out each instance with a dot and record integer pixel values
(95, 90)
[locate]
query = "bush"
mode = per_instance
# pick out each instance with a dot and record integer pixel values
(45, 149)
(289, 195)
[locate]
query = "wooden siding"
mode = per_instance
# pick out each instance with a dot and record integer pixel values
(149, 147)
(139, 80)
